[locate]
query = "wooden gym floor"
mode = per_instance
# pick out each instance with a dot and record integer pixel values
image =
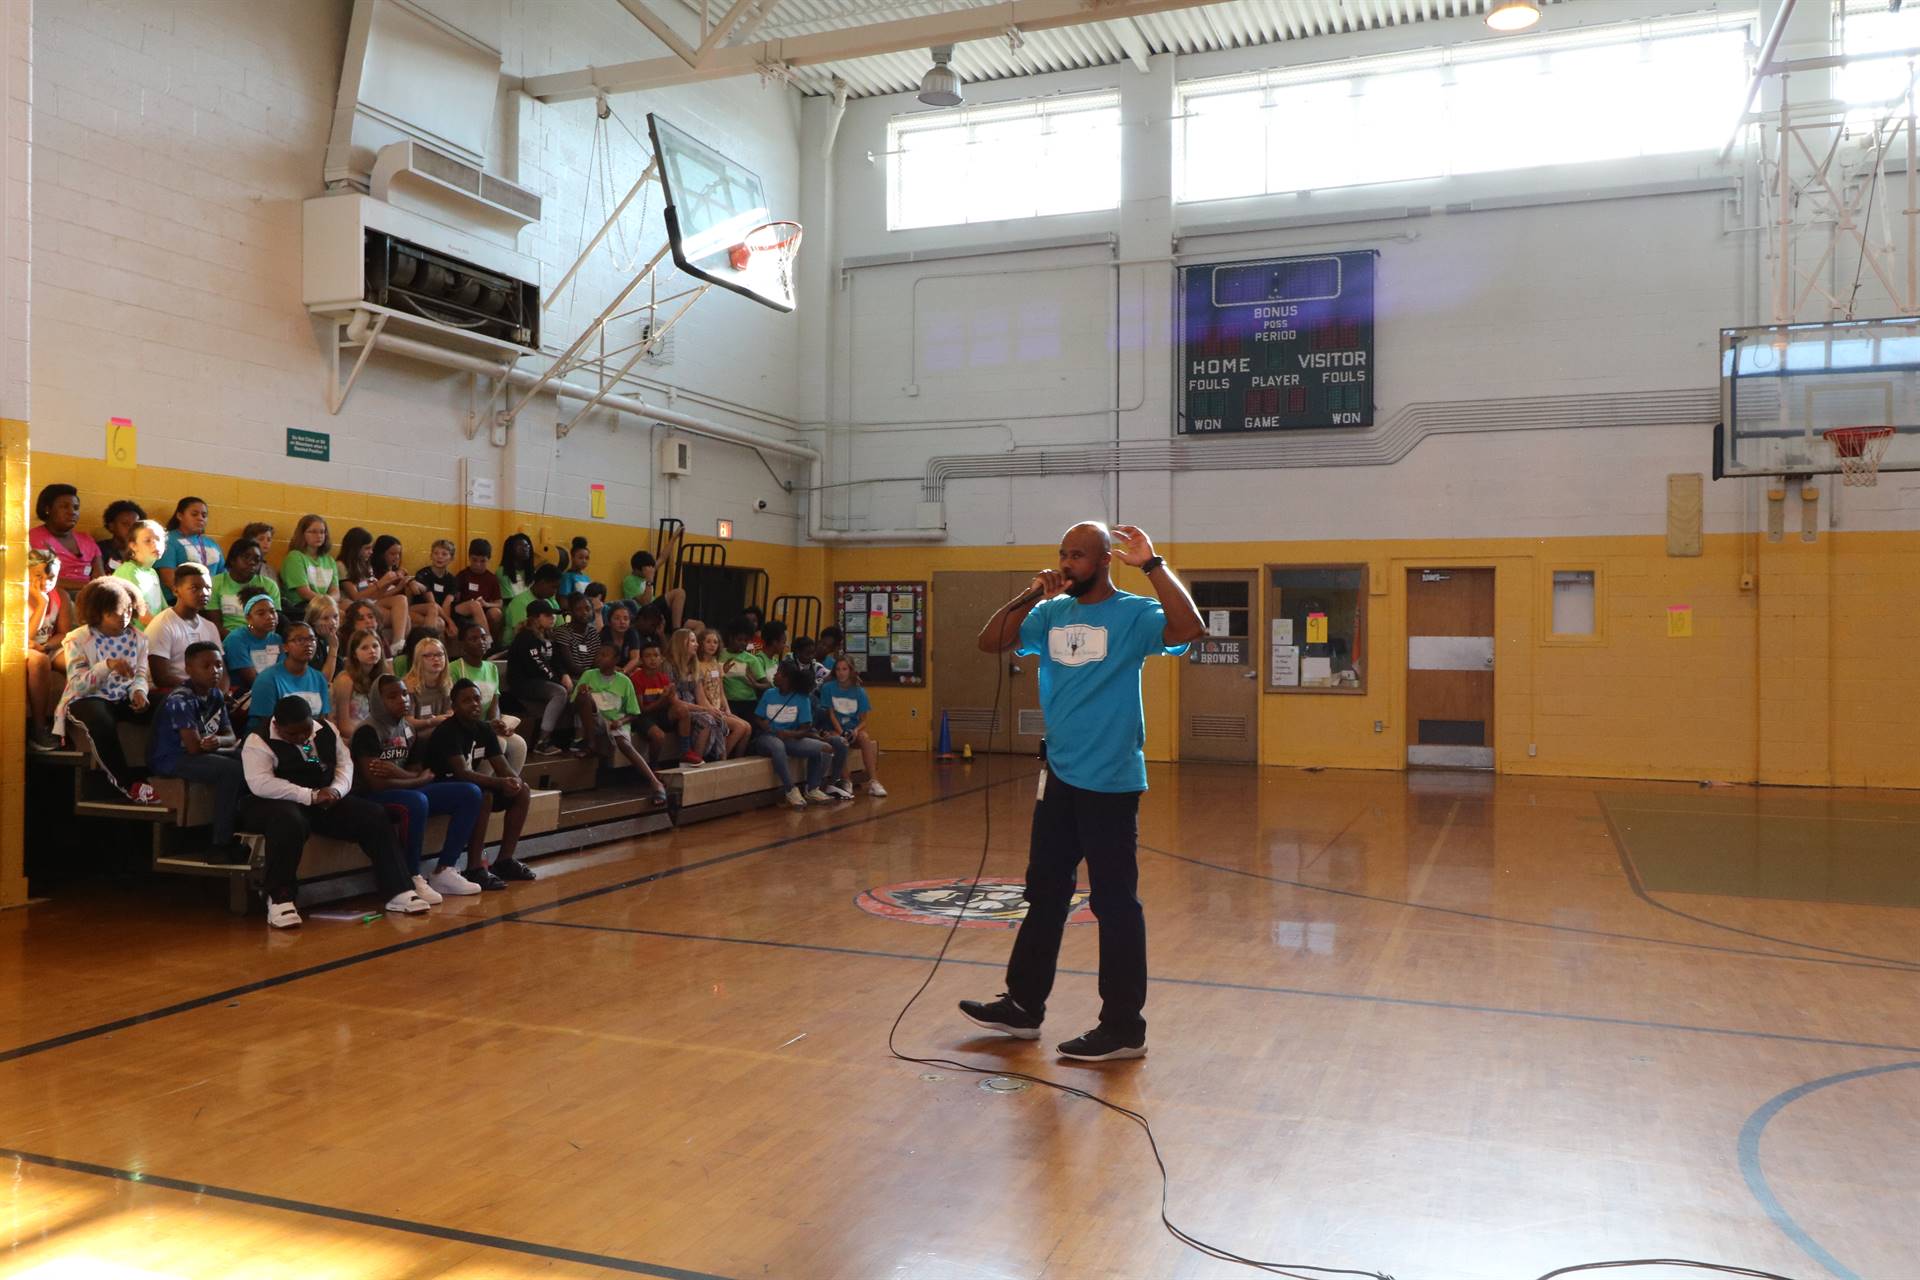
(1442, 1026)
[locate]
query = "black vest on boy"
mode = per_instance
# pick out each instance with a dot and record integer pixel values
(310, 764)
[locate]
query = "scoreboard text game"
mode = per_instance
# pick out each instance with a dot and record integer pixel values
(1277, 344)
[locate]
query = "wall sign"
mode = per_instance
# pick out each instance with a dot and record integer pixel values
(1277, 345)
(1217, 653)
(886, 630)
(123, 443)
(314, 446)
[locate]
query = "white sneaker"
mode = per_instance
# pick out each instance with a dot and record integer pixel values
(875, 789)
(817, 796)
(426, 891)
(406, 903)
(448, 882)
(282, 915)
(840, 791)
(795, 799)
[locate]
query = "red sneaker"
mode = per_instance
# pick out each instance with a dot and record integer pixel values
(691, 758)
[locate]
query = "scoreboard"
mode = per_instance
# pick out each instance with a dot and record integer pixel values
(1276, 345)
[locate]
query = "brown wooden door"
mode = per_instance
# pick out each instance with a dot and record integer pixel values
(1450, 668)
(1220, 676)
(964, 678)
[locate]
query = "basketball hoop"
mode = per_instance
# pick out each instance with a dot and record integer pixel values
(781, 238)
(1859, 450)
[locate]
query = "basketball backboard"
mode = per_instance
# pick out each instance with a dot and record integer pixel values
(1781, 386)
(713, 207)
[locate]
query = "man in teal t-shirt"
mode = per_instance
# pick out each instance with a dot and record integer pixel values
(1091, 640)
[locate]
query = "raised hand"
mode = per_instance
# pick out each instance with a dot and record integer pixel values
(1131, 545)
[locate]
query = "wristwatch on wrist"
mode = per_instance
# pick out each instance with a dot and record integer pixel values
(1153, 562)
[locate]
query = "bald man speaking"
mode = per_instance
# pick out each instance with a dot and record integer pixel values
(1091, 639)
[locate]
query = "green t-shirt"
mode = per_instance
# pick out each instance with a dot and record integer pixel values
(513, 586)
(486, 675)
(635, 587)
(318, 574)
(613, 694)
(517, 612)
(148, 582)
(738, 671)
(231, 597)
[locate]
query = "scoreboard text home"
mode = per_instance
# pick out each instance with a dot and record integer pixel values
(1277, 344)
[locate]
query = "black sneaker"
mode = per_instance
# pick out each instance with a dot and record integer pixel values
(1002, 1015)
(512, 869)
(233, 853)
(1102, 1045)
(485, 878)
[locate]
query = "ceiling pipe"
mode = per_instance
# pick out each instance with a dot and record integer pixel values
(360, 330)
(1760, 71)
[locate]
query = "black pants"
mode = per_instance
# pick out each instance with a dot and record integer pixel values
(1069, 825)
(287, 824)
(102, 719)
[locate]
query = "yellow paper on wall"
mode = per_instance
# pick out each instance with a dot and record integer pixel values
(1679, 621)
(597, 501)
(123, 443)
(1316, 628)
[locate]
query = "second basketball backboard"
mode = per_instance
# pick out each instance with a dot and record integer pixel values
(1782, 386)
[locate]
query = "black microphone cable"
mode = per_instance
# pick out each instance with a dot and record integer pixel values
(1295, 1270)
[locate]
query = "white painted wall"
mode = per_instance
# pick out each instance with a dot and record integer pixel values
(16, 242)
(175, 144)
(1593, 295)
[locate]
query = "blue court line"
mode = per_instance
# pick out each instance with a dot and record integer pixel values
(1755, 1173)
(1306, 992)
(611, 1262)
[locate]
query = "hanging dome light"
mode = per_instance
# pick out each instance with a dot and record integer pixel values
(1513, 15)
(940, 87)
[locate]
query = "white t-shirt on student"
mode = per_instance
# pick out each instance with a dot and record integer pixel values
(169, 634)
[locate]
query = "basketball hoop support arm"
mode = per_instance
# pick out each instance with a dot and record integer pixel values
(565, 363)
(647, 175)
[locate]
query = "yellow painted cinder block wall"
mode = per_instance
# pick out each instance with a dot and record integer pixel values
(1798, 679)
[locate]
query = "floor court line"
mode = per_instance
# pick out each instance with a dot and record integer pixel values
(1304, 992)
(611, 1262)
(1883, 963)
(343, 962)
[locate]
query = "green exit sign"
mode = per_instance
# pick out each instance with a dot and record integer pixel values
(314, 446)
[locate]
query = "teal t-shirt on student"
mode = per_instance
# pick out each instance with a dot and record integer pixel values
(276, 682)
(785, 710)
(849, 704)
(1090, 660)
(247, 651)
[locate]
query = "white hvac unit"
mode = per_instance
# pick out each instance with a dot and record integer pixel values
(676, 456)
(444, 283)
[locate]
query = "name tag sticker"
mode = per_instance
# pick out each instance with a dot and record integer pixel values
(845, 706)
(1040, 791)
(1077, 644)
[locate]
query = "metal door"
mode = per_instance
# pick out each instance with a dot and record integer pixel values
(964, 678)
(1450, 668)
(1220, 676)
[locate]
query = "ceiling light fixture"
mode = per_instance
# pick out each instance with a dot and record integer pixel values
(1513, 15)
(940, 87)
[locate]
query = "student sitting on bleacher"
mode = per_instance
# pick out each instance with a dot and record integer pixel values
(546, 586)
(575, 579)
(429, 682)
(107, 679)
(576, 645)
(49, 618)
(301, 784)
(386, 768)
(708, 733)
(743, 672)
(309, 569)
(516, 570)
(458, 749)
(58, 508)
(169, 634)
(609, 710)
(193, 739)
(844, 704)
(323, 615)
(783, 725)
(541, 690)
(243, 577)
(666, 721)
(438, 587)
(804, 655)
(625, 640)
(362, 663)
(292, 676)
(252, 649)
(361, 580)
(476, 593)
(641, 587)
(149, 543)
(260, 534)
(116, 548)
(188, 543)
(713, 691)
(473, 665)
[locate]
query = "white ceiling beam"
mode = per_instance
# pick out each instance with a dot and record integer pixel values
(722, 29)
(1127, 32)
(955, 27)
(662, 32)
(752, 24)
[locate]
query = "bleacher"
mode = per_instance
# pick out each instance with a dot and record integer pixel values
(576, 802)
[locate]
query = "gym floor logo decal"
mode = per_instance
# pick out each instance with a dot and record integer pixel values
(996, 904)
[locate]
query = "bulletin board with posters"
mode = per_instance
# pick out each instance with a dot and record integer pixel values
(886, 630)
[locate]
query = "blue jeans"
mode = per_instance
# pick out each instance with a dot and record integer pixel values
(815, 751)
(227, 778)
(459, 801)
